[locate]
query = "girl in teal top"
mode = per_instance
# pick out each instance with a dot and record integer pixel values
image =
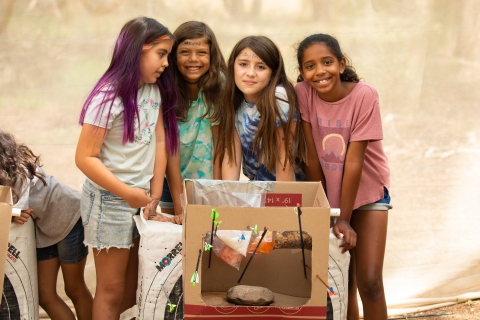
(199, 71)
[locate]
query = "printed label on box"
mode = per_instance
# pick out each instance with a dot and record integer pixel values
(283, 199)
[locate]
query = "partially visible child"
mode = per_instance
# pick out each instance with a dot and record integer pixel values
(128, 123)
(55, 208)
(199, 74)
(259, 116)
(343, 130)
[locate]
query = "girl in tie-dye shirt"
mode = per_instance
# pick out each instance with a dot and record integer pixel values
(259, 120)
(199, 71)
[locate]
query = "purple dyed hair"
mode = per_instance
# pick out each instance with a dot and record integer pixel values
(123, 75)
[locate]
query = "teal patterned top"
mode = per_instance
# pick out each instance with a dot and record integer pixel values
(196, 142)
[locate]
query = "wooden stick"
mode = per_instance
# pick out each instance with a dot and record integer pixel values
(318, 277)
(326, 285)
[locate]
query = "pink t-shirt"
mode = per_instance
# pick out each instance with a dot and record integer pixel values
(334, 124)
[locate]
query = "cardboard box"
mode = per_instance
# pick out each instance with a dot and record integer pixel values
(281, 271)
(5, 220)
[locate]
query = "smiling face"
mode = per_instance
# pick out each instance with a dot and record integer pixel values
(251, 74)
(321, 70)
(193, 58)
(154, 60)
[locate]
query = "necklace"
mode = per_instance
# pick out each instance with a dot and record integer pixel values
(192, 83)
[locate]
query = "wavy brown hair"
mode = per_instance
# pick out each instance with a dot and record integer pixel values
(17, 164)
(211, 81)
(264, 144)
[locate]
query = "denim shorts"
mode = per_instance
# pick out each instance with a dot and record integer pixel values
(380, 205)
(69, 250)
(166, 200)
(107, 218)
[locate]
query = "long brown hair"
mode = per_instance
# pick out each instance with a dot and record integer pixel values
(211, 82)
(264, 144)
(17, 164)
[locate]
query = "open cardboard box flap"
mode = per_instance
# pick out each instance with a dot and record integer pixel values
(6, 206)
(281, 271)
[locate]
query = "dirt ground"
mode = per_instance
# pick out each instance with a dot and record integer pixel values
(466, 310)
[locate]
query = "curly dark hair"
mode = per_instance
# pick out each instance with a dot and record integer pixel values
(17, 164)
(349, 75)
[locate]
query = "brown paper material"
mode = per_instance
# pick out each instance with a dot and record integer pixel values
(280, 271)
(5, 220)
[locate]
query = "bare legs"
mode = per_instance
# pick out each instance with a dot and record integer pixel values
(49, 300)
(116, 273)
(75, 288)
(366, 265)
(129, 297)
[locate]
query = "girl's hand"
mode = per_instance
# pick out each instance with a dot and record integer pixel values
(150, 210)
(159, 217)
(137, 198)
(349, 235)
(24, 215)
(177, 219)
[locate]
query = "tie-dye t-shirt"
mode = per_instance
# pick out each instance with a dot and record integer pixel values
(247, 121)
(131, 162)
(196, 142)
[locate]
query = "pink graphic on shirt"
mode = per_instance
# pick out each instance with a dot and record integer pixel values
(333, 148)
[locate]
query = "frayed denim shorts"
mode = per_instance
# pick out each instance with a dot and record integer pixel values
(107, 218)
(380, 205)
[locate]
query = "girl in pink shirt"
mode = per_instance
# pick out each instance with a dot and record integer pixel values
(342, 125)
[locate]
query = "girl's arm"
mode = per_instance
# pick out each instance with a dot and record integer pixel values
(217, 170)
(175, 181)
(86, 158)
(352, 173)
(284, 169)
(313, 169)
(156, 184)
(231, 167)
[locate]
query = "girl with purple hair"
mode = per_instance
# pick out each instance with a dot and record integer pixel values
(129, 124)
